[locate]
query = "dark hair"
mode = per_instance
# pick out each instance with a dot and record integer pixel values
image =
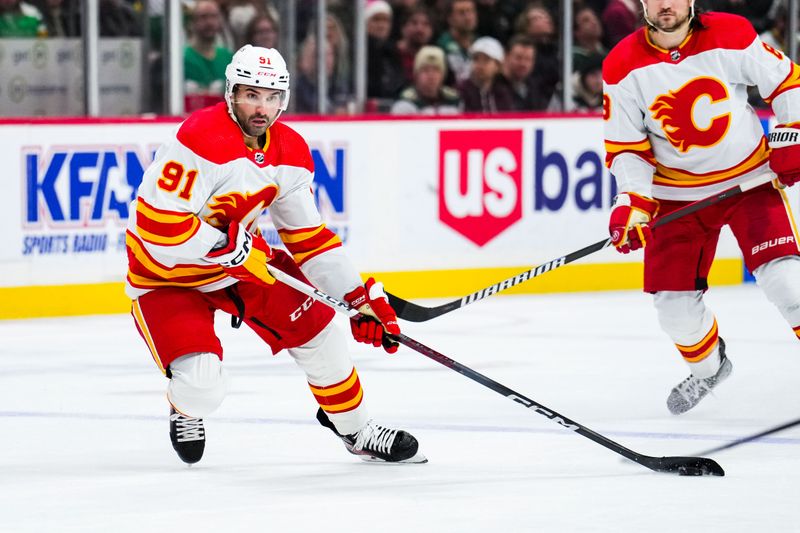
(418, 10)
(251, 26)
(520, 39)
(450, 3)
(581, 9)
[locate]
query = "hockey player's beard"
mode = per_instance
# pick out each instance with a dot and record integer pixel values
(676, 25)
(256, 125)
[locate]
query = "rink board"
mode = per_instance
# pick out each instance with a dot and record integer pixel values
(436, 207)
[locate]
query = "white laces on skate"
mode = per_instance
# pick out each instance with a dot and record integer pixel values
(376, 438)
(188, 429)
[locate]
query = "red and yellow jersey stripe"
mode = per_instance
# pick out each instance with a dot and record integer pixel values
(339, 397)
(677, 177)
(642, 149)
(699, 351)
(306, 243)
(162, 227)
(792, 81)
(145, 272)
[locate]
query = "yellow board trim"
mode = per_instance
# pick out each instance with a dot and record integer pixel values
(109, 298)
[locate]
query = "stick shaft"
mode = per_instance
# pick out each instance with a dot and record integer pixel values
(417, 313)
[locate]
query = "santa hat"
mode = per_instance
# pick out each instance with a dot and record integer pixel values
(377, 7)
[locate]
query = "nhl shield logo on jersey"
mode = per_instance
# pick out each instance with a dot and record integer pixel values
(259, 157)
(686, 122)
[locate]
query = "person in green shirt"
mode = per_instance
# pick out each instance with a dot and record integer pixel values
(18, 19)
(204, 61)
(462, 19)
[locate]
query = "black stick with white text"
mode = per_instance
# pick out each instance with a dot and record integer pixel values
(694, 466)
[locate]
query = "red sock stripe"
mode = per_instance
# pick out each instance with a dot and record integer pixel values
(339, 397)
(697, 352)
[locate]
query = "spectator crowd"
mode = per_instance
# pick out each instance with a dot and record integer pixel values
(426, 57)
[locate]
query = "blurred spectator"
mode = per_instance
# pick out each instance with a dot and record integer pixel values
(775, 34)
(496, 18)
(20, 19)
(754, 10)
(304, 88)
(462, 19)
(238, 14)
(588, 35)
(537, 23)
(401, 10)
(262, 31)
(416, 32)
(485, 91)
(62, 18)
(428, 95)
(119, 19)
(587, 88)
(518, 67)
(339, 82)
(204, 61)
(384, 71)
(620, 18)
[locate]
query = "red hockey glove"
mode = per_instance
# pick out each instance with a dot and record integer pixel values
(378, 320)
(628, 223)
(784, 160)
(245, 256)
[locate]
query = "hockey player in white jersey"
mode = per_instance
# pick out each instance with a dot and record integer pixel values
(678, 128)
(194, 248)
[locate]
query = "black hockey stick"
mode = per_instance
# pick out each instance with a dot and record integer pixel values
(685, 466)
(751, 438)
(417, 313)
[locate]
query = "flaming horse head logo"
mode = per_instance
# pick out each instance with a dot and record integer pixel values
(676, 112)
(241, 207)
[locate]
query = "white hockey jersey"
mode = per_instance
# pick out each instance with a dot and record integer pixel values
(206, 177)
(677, 122)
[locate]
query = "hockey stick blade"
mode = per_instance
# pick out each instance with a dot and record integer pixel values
(750, 438)
(417, 313)
(684, 466)
(691, 466)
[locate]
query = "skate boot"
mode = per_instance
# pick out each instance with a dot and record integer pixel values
(376, 443)
(188, 436)
(691, 390)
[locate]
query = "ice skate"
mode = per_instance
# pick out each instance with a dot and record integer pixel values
(691, 390)
(188, 436)
(377, 443)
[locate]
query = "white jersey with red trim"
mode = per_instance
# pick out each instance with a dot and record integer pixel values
(677, 122)
(206, 177)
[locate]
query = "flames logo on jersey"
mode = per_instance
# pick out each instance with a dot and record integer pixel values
(676, 112)
(241, 207)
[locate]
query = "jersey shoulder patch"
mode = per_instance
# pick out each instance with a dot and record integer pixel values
(213, 135)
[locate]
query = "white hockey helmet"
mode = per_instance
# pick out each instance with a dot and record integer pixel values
(258, 67)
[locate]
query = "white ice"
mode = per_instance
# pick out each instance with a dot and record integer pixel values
(84, 444)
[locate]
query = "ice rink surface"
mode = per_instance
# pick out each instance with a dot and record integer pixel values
(84, 444)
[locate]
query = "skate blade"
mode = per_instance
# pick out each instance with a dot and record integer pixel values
(419, 458)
